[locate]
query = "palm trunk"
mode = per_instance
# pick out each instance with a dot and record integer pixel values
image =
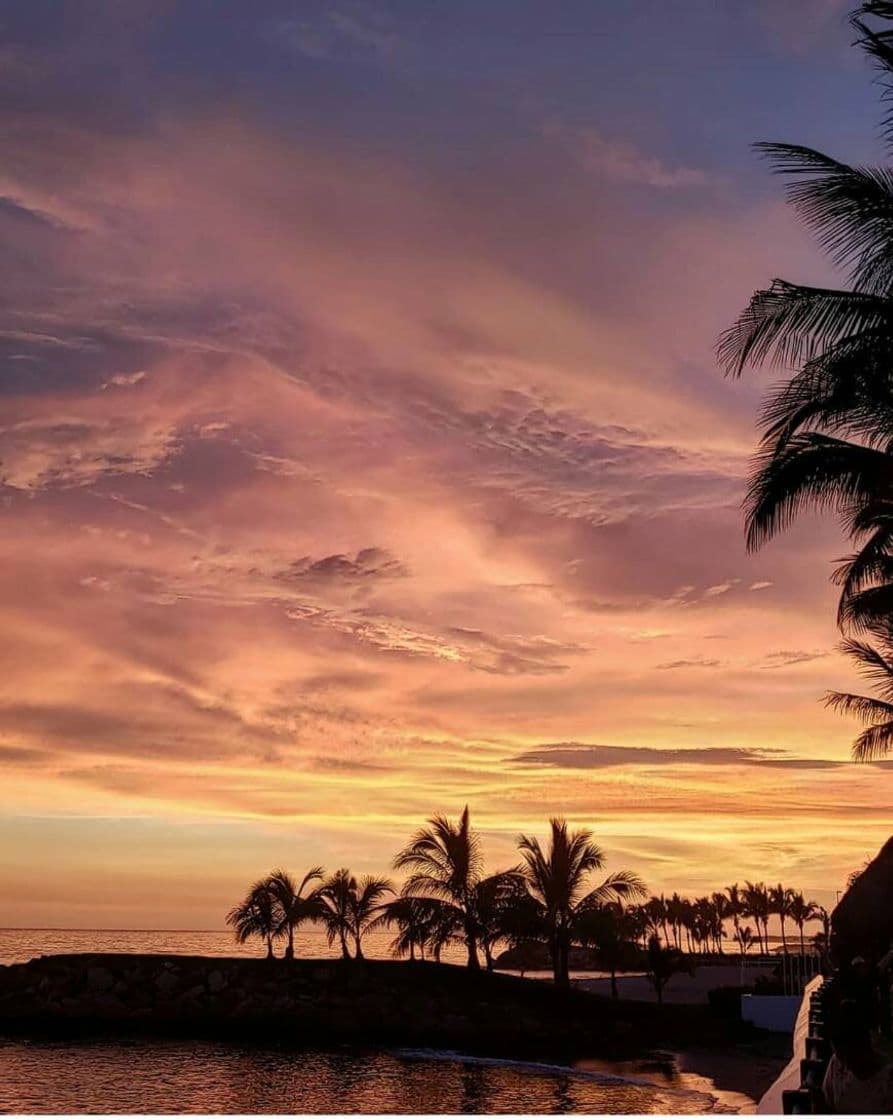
(555, 958)
(564, 954)
(802, 943)
(270, 953)
(345, 952)
(784, 940)
(614, 993)
(488, 955)
(358, 948)
(290, 947)
(474, 961)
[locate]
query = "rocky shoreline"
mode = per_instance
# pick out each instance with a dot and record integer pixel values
(332, 1002)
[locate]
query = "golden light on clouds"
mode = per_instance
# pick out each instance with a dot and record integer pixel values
(337, 492)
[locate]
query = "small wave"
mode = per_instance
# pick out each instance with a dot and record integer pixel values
(549, 1069)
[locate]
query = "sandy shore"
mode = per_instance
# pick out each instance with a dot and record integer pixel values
(681, 988)
(746, 1069)
(735, 1074)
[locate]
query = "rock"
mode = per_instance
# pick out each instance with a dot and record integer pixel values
(167, 982)
(99, 979)
(216, 981)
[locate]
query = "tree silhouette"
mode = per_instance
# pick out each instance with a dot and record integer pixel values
(446, 863)
(557, 880)
(827, 440)
(294, 907)
(256, 916)
(336, 895)
(876, 664)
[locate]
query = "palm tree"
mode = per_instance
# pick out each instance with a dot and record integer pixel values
(757, 906)
(828, 430)
(557, 880)
(801, 912)
(736, 906)
(745, 939)
(780, 904)
(495, 900)
(256, 916)
(446, 863)
(419, 924)
(656, 908)
(722, 909)
(662, 963)
(365, 903)
(293, 905)
(876, 664)
(336, 895)
(610, 930)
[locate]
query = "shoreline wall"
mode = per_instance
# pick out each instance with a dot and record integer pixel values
(325, 1001)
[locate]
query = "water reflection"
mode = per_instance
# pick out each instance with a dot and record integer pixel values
(171, 1077)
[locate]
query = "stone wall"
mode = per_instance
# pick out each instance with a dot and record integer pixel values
(310, 1001)
(330, 1002)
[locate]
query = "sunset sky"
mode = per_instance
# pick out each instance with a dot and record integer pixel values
(363, 451)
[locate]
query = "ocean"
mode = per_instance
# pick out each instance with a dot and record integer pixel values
(147, 1076)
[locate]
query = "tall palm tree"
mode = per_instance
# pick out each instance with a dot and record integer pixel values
(757, 906)
(293, 905)
(780, 904)
(446, 862)
(736, 906)
(828, 430)
(256, 916)
(876, 664)
(801, 912)
(722, 910)
(557, 879)
(336, 896)
(656, 908)
(365, 903)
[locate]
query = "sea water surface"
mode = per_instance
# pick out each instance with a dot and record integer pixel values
(149, 1076)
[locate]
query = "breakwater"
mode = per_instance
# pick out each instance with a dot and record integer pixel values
(323, 1001)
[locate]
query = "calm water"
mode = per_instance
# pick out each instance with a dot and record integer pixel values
(163, 1077)
(23, 944)
(172, 1077)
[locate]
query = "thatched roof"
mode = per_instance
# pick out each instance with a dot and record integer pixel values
(862, 922)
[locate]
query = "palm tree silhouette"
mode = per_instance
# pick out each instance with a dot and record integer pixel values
(446, 862)
(758, 907)
(294, 906)
(256, 916)
(875, 663)
(828, 430)
(494, 900)
(780, 904)
(336, 895)
(801, 912)
(557, 879)
(736, 906)
(416, 921)
(611, 930)
(365, 903)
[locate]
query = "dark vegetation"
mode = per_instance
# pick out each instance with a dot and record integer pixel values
(544, 912)
(827, 440)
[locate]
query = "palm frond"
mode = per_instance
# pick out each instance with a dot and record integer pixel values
(864, 708)
(850, 209)
(812, 470)
(874, 742)
(788, 324)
